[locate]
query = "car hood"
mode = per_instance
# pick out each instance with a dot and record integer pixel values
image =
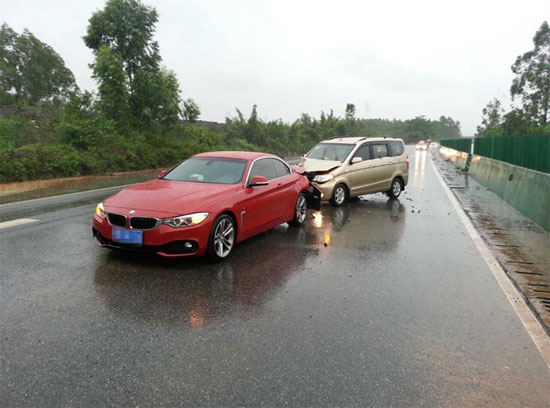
(319, 165)
(169, 196)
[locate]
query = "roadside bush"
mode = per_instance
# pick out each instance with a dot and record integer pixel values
(37, 162)
(84, 133)
(6, 134)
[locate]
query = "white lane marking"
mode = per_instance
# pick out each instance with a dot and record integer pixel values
(13, 223)
(525, 314)
(51, 197)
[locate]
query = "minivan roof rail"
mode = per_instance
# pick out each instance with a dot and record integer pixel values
(343, 137)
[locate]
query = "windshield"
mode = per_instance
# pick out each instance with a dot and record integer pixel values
(209, 170)
(331, 151)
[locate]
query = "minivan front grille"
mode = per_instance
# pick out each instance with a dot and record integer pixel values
(143, 223)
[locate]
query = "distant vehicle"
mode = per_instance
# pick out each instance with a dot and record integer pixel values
(351, 166)
(422, 145)
(204, 205)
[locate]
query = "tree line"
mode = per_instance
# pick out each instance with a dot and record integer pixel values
(138, 118)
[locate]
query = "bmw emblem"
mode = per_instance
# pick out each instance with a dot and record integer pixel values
(132, 212)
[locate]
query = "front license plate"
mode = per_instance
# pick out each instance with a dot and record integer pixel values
(127, 236)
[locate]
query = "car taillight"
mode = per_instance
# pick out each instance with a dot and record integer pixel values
(407, 162)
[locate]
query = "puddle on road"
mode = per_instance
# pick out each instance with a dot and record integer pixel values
(27, 190)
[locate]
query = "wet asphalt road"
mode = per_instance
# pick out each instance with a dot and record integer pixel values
(398, 309)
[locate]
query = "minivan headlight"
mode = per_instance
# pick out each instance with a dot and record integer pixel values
(100, 211)
(323, 178)
(185, 220)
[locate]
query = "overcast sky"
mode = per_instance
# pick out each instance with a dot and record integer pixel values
(392, 59)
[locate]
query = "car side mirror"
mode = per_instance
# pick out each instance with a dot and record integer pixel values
(356, 160)
(258, 181)
(162, 173)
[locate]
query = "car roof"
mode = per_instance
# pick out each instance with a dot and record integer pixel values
(354, 140)
(236, 155)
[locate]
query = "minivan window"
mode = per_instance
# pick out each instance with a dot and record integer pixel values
(331, 151)
(363, 152)
(280, 168)
(380, 150)
(264, 168)
(396, 148)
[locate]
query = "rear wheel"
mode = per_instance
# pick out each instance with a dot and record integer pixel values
(339, 195)
(221, 239)
(395, 189)
(300, 211)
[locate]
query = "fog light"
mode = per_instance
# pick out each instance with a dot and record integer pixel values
(188, 245)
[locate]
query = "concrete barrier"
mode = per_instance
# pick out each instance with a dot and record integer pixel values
(526, 190)
(459, 159)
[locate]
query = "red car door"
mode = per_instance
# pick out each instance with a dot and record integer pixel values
(286, 181)
(261, 205)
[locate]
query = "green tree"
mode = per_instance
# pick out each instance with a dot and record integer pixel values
(31, 72)
(448, 128)
(532, 81)
(491, 120)
(350, 111)
(108, 70)
(125, 28)
(191, 110)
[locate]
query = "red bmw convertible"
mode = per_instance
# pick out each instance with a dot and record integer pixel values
(204, 205)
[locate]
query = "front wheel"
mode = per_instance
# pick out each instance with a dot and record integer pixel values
(339, 195)
(221, 239)
(395, 189)
(299, 211)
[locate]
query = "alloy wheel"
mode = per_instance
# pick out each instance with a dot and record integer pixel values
(224, 238)
(339, 195)
(301, 208)
(396, 188)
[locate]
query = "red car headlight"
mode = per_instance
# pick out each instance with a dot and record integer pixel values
(185, 220)
(100, 211)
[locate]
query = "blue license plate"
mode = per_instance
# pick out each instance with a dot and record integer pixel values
(127, 236)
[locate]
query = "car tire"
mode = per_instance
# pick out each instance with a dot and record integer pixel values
(340, 195)
(222, 238)
(396, 188)
(300, 211)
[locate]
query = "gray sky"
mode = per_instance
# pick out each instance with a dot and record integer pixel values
(392, 59)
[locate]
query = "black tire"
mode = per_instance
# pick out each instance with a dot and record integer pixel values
(218, 248)
(340, 195)
(300, 210)
(396, 188)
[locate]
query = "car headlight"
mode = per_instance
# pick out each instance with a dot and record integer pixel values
(99, 210)
(185, 220)
(323, 178)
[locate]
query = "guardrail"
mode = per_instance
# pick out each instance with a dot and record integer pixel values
(531, 152)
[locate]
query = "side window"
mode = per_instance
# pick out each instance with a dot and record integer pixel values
(363, 152)
(264, 168)
(281, 169)
(380, 150)
(396, 148)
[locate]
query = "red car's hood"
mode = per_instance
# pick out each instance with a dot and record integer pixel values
(167, 196)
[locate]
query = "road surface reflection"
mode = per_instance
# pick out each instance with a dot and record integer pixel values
(194, 293)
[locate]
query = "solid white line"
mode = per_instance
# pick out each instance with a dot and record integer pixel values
(64, 195)
(525, 314)
(13, 223)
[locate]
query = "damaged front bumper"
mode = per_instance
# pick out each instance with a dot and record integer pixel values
(313, 198)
